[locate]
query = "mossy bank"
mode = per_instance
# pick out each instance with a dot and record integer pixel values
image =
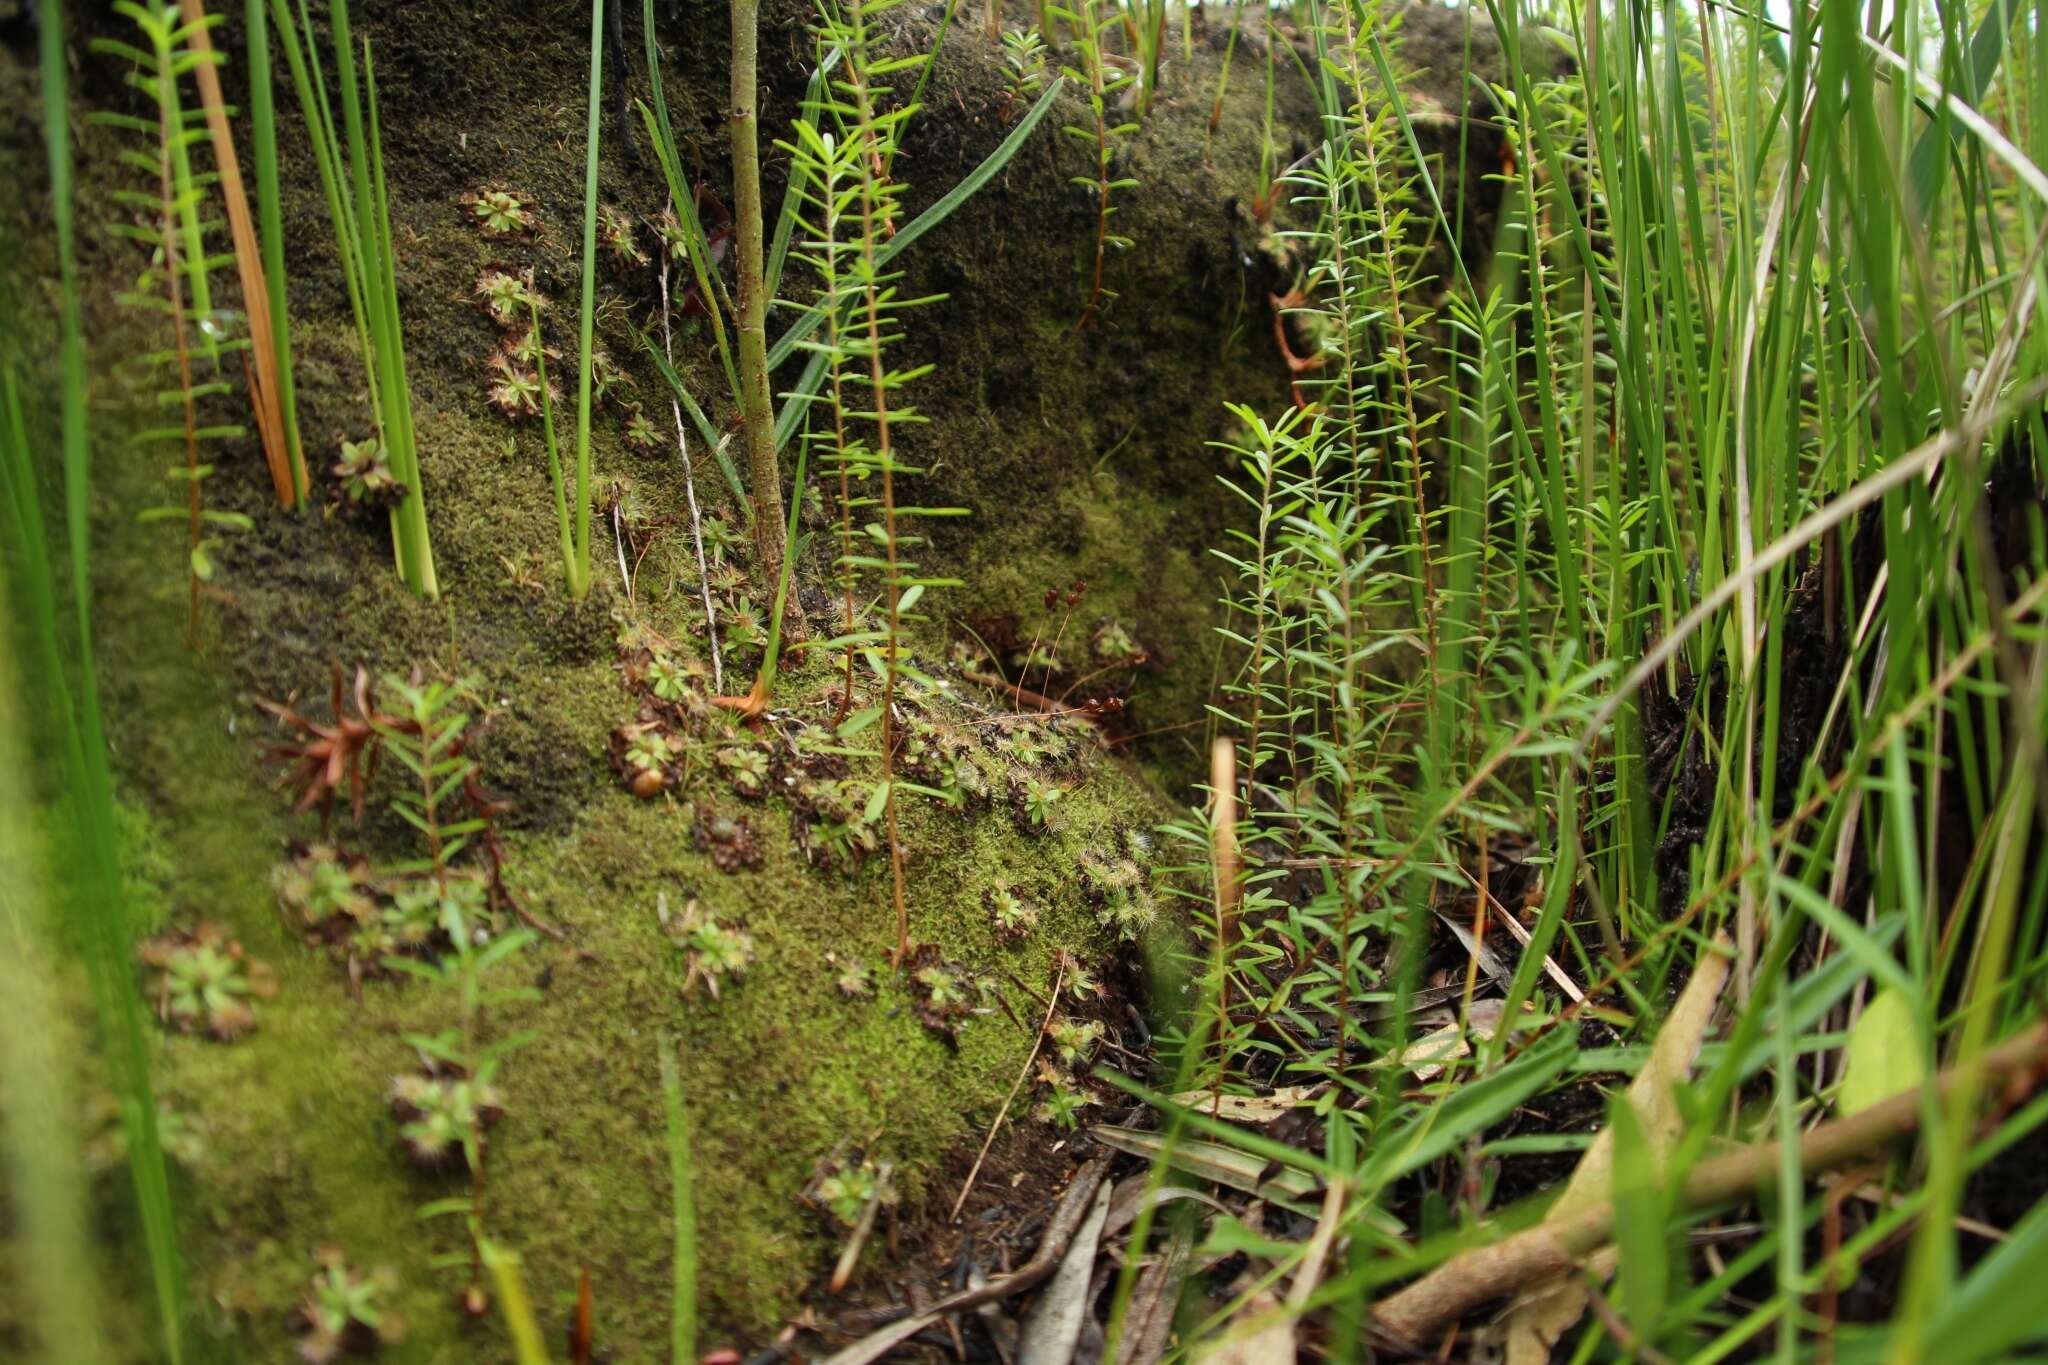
(1082, 456)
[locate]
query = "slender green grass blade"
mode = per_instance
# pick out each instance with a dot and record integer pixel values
(683, 1302)
(100, 905)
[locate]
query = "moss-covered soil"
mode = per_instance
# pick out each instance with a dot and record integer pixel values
(1082, 456)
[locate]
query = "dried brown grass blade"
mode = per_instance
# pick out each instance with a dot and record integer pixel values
(287, 466)
(1556, 1245)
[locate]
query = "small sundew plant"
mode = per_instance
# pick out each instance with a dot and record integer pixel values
(437, 1113)
(966, 782)
(620, 236)
(1074, 1041)
(509, 299)
(411, 923)
(1013, 912)
(847, 1189)
(605, 375)
(1112, 645)
(743, 626)
(205, 983)
(1037, 799)
(321, 886)
(720, 539)
(669, 680)
(645, 755)
(1121, 890)
(345, 1312)
(1063, 1101)
(747, 768)
(945, 996)
(856, 979)
(183, 1140)
(363, 477)
(639, 434)
(502, 214)
(515, 391)
(835, 823)
(527, 348)
(1082, 987)
(713, 953)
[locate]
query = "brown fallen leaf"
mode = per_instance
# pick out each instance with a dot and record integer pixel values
(1248, 1108)
(1546, 1310)
(1053, 1326)
(1262, 1334)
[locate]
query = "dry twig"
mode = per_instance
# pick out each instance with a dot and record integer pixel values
(1485, 1273)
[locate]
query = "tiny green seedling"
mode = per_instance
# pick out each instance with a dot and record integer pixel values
(1063, 1101)
(1074, 1041)
(747, 768)
(1024, 70)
